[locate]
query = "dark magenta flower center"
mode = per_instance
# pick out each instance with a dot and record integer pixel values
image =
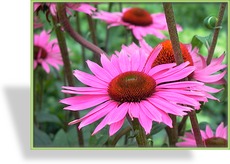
(39, 50)
(131, 86)
(216, 142)
(137, 16)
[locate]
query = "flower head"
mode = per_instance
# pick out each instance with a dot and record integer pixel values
(208, 74)
(81, 7)
(210, 139)
(140, 21)
(126, 85)
(46, 52)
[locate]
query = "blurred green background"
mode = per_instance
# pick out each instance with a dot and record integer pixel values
(50, 120)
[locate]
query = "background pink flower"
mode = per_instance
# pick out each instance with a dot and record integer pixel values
(46, 52)
(203, 73)
(210, 139)
(138, 20)
(81, 7)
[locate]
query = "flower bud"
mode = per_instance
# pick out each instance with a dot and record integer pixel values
(210, 22)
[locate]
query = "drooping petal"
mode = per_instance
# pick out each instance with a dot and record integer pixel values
(84, 102)
(114, 127)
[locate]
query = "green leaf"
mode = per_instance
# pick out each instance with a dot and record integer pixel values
(203, 125)
(198, 41)
(72, 136)
(41, 139)
(42, 117)
(61, 139)
(157, 127)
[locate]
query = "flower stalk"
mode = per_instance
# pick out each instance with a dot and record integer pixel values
(67, 67)
(179, 59)
(216, 33)
(78, 38)
(140, 133)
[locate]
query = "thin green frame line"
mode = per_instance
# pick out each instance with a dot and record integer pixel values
(117, 148)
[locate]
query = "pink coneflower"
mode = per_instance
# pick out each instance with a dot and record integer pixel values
(126, 85)
(46, 52)
(203, 72)
(219, 139)
(140, 21)
(81, 7)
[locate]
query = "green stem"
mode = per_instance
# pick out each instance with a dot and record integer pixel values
(172, 132)
(93, 35)
(140, 136)
(216, 33)
(196, 130)
(67, 68)
(82, 47)
(181, 126)
(179, 59)
(107, 30)
(119, 135)
(169, 14)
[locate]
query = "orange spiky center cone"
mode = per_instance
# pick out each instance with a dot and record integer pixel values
(166, 54)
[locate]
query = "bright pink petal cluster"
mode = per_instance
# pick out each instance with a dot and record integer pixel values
(127, 86)
(46, 52)
(138, 20)
(210, 139)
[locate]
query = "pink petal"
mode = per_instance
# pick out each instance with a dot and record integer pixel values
(176, 76)
(119, 113)
(114, 127)
(84, 90)
(124, 61)
(109, 66)
(99, 71)
(45, 66)
(85, 8)
(161, 68)
(152, 57)
(134, 110)
(97, 113)
(104, 122)
(90, 80)
(166, 106)
(209, 132)
(220, 130)
(172, 96)
(145, 122)
(94, 115)
(209, 78)
(84, 102)
(151, 111)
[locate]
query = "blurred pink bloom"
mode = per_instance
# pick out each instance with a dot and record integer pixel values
(203, 73)
(138, 20)
(46, 52)
(81, 7)
(126, 84)
(37, 22)
(210, 139)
